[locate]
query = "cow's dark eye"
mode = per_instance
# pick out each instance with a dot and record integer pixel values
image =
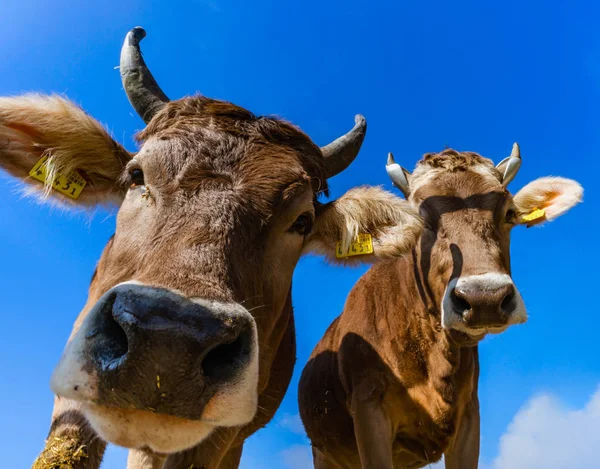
(511, 216)
(137, 177)
(303, 224)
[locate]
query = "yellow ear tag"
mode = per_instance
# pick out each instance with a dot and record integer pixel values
(362, 245)
(536, 214)
(71, 184)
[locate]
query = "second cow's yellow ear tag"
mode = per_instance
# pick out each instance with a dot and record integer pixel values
(360, 246)
(70, 184)
(535, 215)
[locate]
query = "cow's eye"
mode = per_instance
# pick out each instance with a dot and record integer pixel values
(511, 216)
(137, 177)
(303, 224)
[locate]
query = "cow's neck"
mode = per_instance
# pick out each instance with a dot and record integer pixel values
(436, 367)
(272, 327)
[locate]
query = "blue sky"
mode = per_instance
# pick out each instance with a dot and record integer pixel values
(469, 74)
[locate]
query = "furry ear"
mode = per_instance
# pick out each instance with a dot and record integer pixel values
(34, 126)
(546, 199)
(394, 226)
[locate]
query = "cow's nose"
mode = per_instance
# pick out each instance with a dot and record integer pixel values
(482, 301)
(155, 349)
(495, 301)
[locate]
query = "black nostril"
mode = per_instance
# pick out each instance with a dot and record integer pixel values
(460, 304)
(509, 302)
(108, 342)
(223, 362)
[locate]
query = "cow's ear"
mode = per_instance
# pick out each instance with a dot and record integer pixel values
(546, 199)
(385, 225)
(60, 151)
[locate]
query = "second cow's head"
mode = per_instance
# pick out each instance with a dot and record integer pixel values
(464, 253)
(216, 209)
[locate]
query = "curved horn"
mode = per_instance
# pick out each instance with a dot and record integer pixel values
(398, 175)
(342, 151)
(143, 92)
(510, 165)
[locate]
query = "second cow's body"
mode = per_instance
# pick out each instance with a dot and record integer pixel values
(393, 383)
(412, 390)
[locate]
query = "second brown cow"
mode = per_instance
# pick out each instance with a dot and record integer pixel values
(393, 383)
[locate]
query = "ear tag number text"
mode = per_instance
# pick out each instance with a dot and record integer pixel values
(70, 184)
(360, 246)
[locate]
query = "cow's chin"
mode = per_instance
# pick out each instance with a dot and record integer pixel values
(132, 428)
(140, 428)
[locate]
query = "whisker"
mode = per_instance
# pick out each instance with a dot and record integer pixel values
(257, 307)
(250, 298)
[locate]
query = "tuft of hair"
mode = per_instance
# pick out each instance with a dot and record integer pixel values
(452, 160)
(33, 126)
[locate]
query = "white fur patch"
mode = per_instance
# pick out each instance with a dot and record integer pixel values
(139, 428)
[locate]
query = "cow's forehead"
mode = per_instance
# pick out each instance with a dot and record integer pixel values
(235, 163)
(182, 119)
(455, 174)
(199, 137)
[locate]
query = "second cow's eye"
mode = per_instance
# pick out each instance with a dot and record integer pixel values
(303, 224)
(510, 216)
(137, 177)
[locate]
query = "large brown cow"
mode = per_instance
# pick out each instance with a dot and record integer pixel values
(393, 383)
(186, 344)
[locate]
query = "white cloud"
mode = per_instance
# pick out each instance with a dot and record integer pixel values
(546, 434)
(297, 457)
(292, 423)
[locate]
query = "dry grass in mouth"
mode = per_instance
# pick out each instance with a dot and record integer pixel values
(62, 453)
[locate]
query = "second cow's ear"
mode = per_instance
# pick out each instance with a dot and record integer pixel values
(364, 225)
(546, 199)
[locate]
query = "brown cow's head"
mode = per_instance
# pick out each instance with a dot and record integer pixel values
(465, 249)
(216, 208)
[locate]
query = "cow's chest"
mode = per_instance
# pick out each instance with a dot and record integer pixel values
(425, 424)
(418, 450)
(420, 440)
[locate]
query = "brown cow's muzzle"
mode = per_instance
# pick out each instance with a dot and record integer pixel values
(152, 349)
(480, 304)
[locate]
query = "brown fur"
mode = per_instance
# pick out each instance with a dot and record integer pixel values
(387, 386)
(222, 190)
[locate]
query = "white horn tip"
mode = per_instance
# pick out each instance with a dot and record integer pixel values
(516, 151)
(359, 119)
(390, 159)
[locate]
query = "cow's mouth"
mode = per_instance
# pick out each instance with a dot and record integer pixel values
(479, 332)
(137, 429)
